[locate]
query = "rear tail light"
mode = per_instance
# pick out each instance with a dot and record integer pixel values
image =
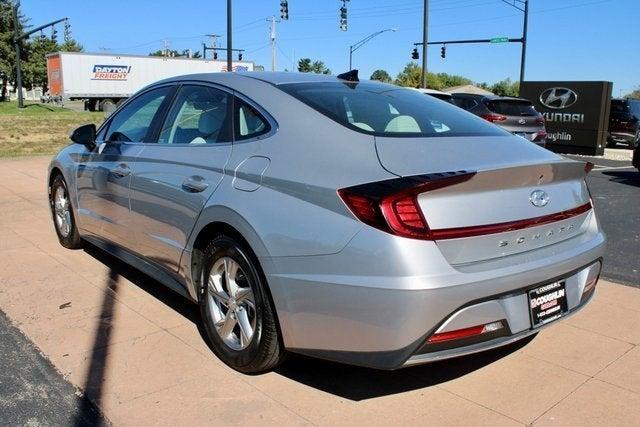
(588, 167)
(494, 118)
(392, 205)
(542, 134)
(540, 120)
(458, 334)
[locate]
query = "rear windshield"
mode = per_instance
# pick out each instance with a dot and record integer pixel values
(386, 110)
(510, 107)
(620, 109)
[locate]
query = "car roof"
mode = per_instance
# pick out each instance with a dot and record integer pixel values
(275, 78)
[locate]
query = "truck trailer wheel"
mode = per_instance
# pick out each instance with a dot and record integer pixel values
(108, 106)
(90, 104)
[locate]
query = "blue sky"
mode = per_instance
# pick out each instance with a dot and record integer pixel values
(568, 39)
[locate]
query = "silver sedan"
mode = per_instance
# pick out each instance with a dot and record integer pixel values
(349, 220)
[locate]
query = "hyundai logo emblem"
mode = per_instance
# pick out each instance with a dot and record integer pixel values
(539, 198)
(558, 98)
(522, 121)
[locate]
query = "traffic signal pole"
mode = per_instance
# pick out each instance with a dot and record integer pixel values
(425, 34)
(524, 39)
(17, 46)
(17, 38)
(229, 35)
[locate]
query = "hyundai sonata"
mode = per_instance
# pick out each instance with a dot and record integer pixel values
(349, 220)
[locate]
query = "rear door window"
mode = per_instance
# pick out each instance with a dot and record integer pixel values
(199, 115)
(508, 107)
(386, 110)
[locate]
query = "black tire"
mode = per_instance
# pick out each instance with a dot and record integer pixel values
(108, 106)
(69, 239)
(264, 350)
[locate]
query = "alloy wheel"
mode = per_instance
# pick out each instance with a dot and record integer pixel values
(61, 208)
(231, 303)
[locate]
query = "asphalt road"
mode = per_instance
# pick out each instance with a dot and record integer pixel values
(615, 189)
(32, 392)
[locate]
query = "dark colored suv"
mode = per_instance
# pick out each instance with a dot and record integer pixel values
(517, 115)
(624, 122)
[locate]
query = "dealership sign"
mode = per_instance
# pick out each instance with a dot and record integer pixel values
(111, 72)
(576, 113)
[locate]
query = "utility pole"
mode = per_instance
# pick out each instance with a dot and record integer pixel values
(229, 36)
(425, 34)
(17, 47)
(213, 44)
(272, 38)
(524, 39)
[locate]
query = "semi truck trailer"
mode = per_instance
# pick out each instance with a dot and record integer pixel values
(103, 81)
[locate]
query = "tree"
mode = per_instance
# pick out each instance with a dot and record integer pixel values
(634, 94)
(70, 45)
(381, 75)
(7, 50)
(34, 69)
(506, 88)
(410, 76)
(162, 52)
(306, 66)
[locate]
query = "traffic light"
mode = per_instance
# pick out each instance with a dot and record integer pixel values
(240, 56)
(67, 31)
(54, 34)
(415, 54)
(215, 55)
(284, 10)
(343, 18)
(443, 51)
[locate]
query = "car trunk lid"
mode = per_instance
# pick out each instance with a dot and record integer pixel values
(520, 197)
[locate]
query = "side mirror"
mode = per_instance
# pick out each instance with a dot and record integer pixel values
(85, 135)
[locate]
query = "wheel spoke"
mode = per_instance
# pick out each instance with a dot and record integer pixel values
(231, 270)
(219, 296)
(246, 331)
(243, 294)
(227, 324)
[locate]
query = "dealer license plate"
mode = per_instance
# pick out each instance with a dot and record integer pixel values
(547, 303)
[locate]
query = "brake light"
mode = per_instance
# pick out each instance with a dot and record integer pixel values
(392, 205)
(540, 120)
(465, 333)
(588, 167)
(494, 118)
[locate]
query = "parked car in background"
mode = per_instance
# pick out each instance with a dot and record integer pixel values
(636, 157)
(516, 115)
(437, 94)
(329, 217)
(624, 122)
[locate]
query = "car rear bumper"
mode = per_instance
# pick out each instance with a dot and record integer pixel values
(377, 301)
(623, 137)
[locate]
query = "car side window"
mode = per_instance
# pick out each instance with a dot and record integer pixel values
(199, 115)
(249, 122)
(132, 122)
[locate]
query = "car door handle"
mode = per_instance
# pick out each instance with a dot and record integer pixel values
(194, 184)
(121, 170)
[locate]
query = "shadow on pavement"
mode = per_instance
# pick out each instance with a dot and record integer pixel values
(631, 177)
(349, 382)
(356, 383)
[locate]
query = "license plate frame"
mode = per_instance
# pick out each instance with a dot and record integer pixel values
(547, 303)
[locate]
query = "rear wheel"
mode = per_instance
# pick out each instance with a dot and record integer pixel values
(62, 212)
(235, 307)
(108, 106)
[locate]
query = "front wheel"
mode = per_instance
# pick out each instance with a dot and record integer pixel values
(235, 307)
(62, 212)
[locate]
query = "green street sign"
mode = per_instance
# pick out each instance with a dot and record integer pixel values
(499, 40)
